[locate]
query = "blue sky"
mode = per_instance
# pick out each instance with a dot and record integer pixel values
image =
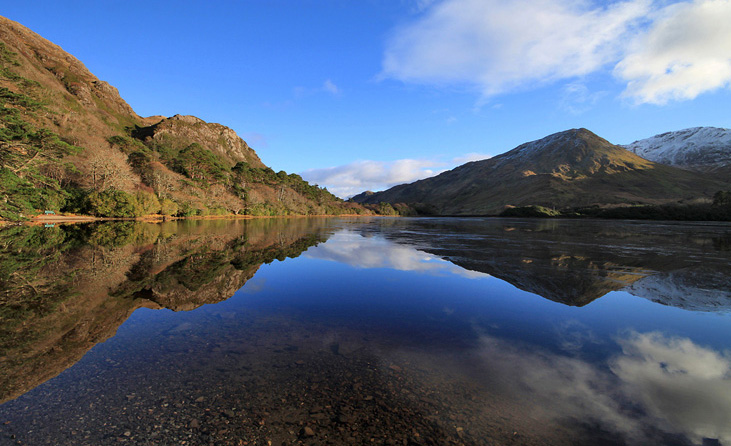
(358, 95)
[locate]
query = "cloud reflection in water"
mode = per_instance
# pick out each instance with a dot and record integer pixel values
(355, 250)
(680, 382)
(658, 383)
(679, 386)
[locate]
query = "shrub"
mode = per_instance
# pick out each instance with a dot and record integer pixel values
(722, 198)
(112, 203)
(530, 211)
(186, 209)
(386, 209)
(147, 202)
(168, 207)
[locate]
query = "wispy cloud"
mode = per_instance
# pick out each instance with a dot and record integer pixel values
(328, 86)
(500, 46)
(353, 178)
(662, 52)
(577, 98)
(255, 139)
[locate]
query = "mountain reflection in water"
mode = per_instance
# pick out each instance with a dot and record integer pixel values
(67, 288)
(577, 262)
(370, 337)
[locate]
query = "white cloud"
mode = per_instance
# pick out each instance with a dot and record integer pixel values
(686, 52)
(500, 45)
(663, 53)
(359, 176)
(356, 177)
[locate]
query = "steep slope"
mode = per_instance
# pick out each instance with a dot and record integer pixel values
(566, 169)
(76, 103)
(703, 149)
(69, 142)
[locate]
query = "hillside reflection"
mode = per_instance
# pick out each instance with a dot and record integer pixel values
(382, 331)
(577, 262)
(66, 288)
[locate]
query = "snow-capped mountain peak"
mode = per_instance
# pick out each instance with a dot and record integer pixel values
(698, 148)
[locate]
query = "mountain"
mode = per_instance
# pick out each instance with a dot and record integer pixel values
(69, 142)
(702, 149)
(567, 169)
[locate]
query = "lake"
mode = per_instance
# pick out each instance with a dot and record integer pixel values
(385, 331)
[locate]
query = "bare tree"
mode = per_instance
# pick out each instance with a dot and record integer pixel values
(163, 182)
(109, 169)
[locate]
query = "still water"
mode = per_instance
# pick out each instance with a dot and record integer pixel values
(436, 331)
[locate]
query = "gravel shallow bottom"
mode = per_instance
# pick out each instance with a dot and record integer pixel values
(247, 379)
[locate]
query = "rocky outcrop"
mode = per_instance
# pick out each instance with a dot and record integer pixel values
(180, 131)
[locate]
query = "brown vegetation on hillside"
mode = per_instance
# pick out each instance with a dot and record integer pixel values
(69, 142)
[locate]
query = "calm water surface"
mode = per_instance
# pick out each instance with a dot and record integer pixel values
(366, 331)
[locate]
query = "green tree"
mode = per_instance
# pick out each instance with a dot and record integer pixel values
(168, 207)
(198, 163)
(147, 202)
(112, 203)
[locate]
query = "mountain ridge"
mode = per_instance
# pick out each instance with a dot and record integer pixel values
(566, 169)
(702, 149)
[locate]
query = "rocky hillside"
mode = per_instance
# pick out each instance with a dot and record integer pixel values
(702, 149)
(179, 132)
(69, 142)
(573, 168)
